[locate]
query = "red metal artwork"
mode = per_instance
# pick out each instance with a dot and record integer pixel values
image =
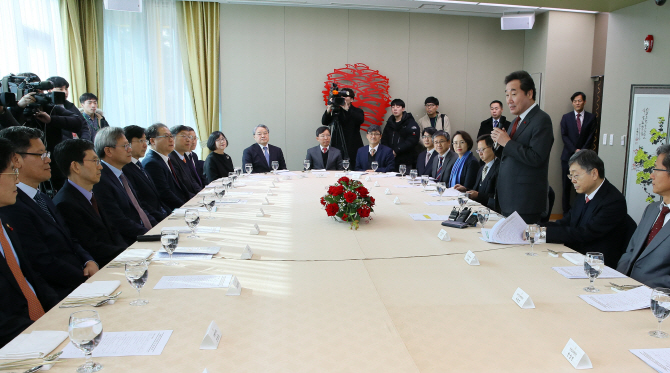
(370, 87)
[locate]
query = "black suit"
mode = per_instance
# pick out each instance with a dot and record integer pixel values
(184, 175)
(254, 155)
(95, 232)
(48, 243)
(191, 162)
(423, 168)
(486, 189)
(199, 167)
(349, 122)
(573, 140)
(14, 317)
(486, 127)
(218, 166)
(170, 193)
(600, 225)
(145, 189)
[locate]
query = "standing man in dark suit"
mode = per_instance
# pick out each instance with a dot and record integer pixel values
(46, 239)
(424, 162)
(261, 154)
(24, 296)
(324, 156)
(85, 217)
(599, 221)
(195, 163)
(445, 159)
(182, 144)
(487, 176)
(113, 191)
(160, 168)
(647, 257)
(524, 167)
(139, 179)
(577, 131)
(497, 120)
(375, 152)
(347, 132)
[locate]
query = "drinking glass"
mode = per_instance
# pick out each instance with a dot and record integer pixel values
(402, 168)
(275, 166)
(248, 167)
(306, 163)
(413, 174)
(593, 266)
(660, 306)
(192, 218)
(374, 166)
(231, 177)
(85, 329)
(137, 274)
(463, 200)
(220, 191)
(345, 165)
(169, 241)
(483, 216)
(532, 231)
(238, 171)
(424, 182)
(208, 201)
(441, 187)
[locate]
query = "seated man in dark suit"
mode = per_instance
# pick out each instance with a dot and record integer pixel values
(324, 156)
(647, 257)
(445, 157)
(182, 144)
(24, 295)
(599, 220)
(114, 191)
(485, 185)
(85, 217)
(424, 162)
(46, 239)
(261, 154)
(159, 166)
(375, 152)
(196, 164)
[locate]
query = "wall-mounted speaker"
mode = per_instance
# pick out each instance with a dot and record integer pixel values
(522, 21)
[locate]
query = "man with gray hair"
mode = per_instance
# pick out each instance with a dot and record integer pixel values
(261, 154)
(599, 220)
(114, 191)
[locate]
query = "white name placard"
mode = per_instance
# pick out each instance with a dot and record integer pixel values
(355, 176)
(260, 213)
(443, 235)
(255, 229)
(376, 183)
(234, 288)
(269, 193)
(522, 299)
(387, 191)
(266, 201)
(576, 356)
(212, 338)
(396, 200)
(272, 184)
(320, 174)
(471, 258)
(247, 253)
(367, 178)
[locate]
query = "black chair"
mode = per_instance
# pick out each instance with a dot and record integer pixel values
(551, 196)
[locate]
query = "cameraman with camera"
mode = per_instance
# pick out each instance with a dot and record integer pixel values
(346, 120)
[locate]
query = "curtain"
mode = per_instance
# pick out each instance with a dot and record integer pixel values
(199, 26)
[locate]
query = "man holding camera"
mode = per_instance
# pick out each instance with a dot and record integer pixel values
(62, 85)
(346, 120)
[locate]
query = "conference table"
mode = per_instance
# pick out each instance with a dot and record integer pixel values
(391, 296)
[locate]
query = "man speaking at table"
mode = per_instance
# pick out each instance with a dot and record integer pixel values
(524, 166)
(261, 154)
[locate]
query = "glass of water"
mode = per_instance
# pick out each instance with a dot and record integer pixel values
(306, 164)
(593, 266)
(209, 201)
(463, 200)
(660, 306)
(440, 187)
(192, 218)
(483, 216)
(232, 176)
(413, 174)
(238, 171)
(374, 166)
(220, 192)
(169, 241)
(275, 166)
(137, 274)
(248, 167)
(345, 165)
(424, 182)
(532, 233)
(85, 329)
(402, 169)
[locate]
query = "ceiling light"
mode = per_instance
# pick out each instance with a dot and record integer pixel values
(569, 10)
(509, 6)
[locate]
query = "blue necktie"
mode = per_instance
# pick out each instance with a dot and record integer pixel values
(267, 155)
(42, 204)
(495, 124)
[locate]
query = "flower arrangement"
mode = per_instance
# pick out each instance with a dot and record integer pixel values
(348, 200)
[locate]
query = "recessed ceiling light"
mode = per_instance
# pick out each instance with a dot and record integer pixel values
(569, 10)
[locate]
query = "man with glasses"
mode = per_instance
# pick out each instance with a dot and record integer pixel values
(647, 257)
(324, 156)
(45, 237)
(159, 167)
(424, 162)
(261, 154)
(433, 117)
(85, 217)
(445, 159)
(182, 144)
(375, 152)
(114, 191)
(485, 185)
(194, 163)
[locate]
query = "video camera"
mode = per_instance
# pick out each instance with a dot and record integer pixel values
(14, 86)
(336, 98)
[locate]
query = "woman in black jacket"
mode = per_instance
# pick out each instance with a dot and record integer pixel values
(218, 164)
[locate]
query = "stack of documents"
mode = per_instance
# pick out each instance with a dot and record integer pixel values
(131, 255)
(629, 300)
(578, 272)
(144, 343)
(95, 289)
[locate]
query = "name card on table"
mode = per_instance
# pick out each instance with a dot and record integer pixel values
(260, 213)
(247, 253)
(205, 371)
(266, 201)
(276, 180)
(471, 258)
(367, 178)
(269, 193)
(234, 288)
(355, 176)
(576, 356)
(212, 338)
(376, 183)
(522, 299)
(443, 235)
(255, 229)
(272, 184)
(396, 200)
(387, 191)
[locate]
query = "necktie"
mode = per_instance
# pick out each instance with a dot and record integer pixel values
(495, 124)
(484, 171)
(579, 123)
(94, 203)
(267, 155)
(133, 200)
(516, 124)
(657, 225)
(191, 165)
(42, 204)
(35, 310)
(587, 199)
(372, 152)
(325, 150)
(172, 170)
(427, 158)
(439, 169)
(139, 165)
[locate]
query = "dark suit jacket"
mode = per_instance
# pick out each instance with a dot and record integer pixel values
(95, 232)
(486, 189)
(350, 123)
(572, 139)
(421, 167)
(200, 167)
(170, 193)
(48, 243)
(146, 192)
(218, 166)
(486, 126)
(254, 155)
(469, 172)
(191, 162)
(184, 176)
(334, 161)
(122, 214)
(599, 225)
(383, 156)
(524, 167)
(449, 161)
(14, 316)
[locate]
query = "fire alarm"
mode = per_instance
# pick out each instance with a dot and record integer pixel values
(648, 43)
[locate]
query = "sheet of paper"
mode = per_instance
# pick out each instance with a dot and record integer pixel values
(196, 250)
(429, 217)
(239, 193)
(182, 256)
(442, 203)
(407, 186)
(657, 358)
(182, 211)
(508, 231)
(193, 282)
(629, 300)
(578, 272)
(185, 229)
(232, 201)
(574, 258)
(124, 344)
(286, 172)
(451, 192)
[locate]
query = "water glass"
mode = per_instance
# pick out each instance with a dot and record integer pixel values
(374, 166)
(137, 274)
(402, 168)
(532, 233)
(413, 174)
(660, 306)
(220, 192)
(231, 178)
(424, 182)
(306, 164)
(208, 201)
(593, 266)
(85, 329)
(192, 218)
(238, 171)
(483, 216)
(248, 167)
(463, 200)
(275, 166)
(345, 165)
(169, 241)
(440, 187)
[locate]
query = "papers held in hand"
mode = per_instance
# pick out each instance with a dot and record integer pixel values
(509, 231)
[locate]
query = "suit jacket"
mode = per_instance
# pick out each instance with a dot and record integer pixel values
(14, 316)
(170, 193)
(112, 196)
(572, 139)
(146, 191)
(334, 161)
(652, 268)
(350, 125)
(486, 189)
(421, 167)
(184, 176)
(469, 172)
(486, 127)
(48, 244)
(95, 232)
(449, 160)
(599, 225)
(524, 167)
(383, 156)
(218, 166)
(191, 162)
(199, 166)
(254, 155)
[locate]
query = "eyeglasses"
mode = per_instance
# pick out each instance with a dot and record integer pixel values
(324, 136)
(438, 142)
(126, 146)
(189, 137)
(41, 155)
(14, 172)
(141, 141)
(170, 137)
(576, 176)
(659, 170)
(480, 151)
(374, 134)
(426, 137)
(97, 161)
(221, 140)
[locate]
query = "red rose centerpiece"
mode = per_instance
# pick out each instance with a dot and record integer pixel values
(348, 200)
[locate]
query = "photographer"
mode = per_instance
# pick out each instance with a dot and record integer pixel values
(62, 85)
(6, 118)
(347, 137)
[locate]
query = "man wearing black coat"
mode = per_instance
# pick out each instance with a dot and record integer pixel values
(62, 85)
(401, 134)
(159, 167)
(185, 174)
(496, 120)
(349, 120)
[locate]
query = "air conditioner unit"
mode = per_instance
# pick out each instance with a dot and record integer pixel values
(124, 5)
(522, 21)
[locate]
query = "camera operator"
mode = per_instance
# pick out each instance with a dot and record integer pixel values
(6, 118)
(349, 119)
(62, 85)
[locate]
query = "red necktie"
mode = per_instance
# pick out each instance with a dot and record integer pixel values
(579, 123)
(173, 173)
(516, 124)
(657, 225)
(94, 203)
(588, 200)
(325, 150)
